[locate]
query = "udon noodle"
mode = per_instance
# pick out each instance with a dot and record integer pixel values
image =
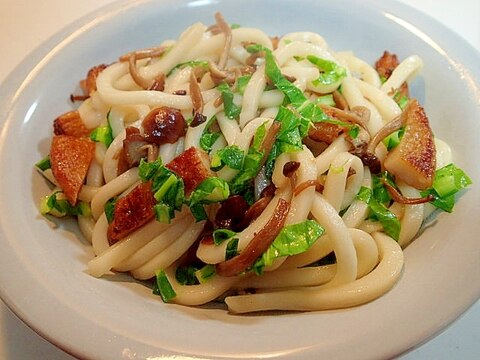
(299, 201)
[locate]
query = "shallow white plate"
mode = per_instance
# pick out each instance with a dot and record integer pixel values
(42, 268)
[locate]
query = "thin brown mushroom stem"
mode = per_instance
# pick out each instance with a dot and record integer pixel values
(269, 140)
(398, 197)
(258, 245)
(388, 129)
(347, 116)
(225, 28)
(196, 94)
(145, 53)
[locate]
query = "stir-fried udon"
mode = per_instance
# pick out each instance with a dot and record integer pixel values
(267, 173)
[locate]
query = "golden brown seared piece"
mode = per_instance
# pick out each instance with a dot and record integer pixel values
(131, 212)
(386, 64)
(326, 132)
(71, 124)
(70, 158)
(193, 166)
(413, 160)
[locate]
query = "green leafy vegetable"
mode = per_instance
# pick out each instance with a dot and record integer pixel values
(325, 100)
(392, 140)
(231, 110)
(58, 206)
(208, 137)
(186, 275)
(44, 164)
(232, 249)
(109, 208)
(162, 286)
(205, 273)
(400, 99)
(167, 187)
(242, 82)
(210, 190)
(391, 224)
(294, 94)
(380, 192)
(447, 182)
(330, 72)
(251, 163)
(292, 240)
(103, 134)
(221, 235)
(231, 156)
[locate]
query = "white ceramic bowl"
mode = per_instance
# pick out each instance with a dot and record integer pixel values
(43, 269)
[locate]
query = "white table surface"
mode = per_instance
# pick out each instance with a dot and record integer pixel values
(24, 24)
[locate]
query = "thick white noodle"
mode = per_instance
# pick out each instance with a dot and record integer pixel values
(327, 216)
(357, 292)
(340, 189)
(252, 96)
(354, 97)
(404, 72)
(113, 188)
(412, 215)
(199, 294)
(357, 66)
(324, 160)
(293, 274)
(124, 248)
(358, 210)
(170, 254)
(229, 127)
(303, 36)
(385, 105)
(158, 243)
(86, 225)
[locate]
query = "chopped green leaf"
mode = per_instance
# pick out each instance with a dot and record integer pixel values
(294, 94)
(102, 134)
(186, 275)
(242, 82)
(380, 192)
(109, 208)
(208, 137)
(44, 164)
(232, 249)
(163, 287)
(58, 206)
(392, 140)
(162, 213)
(391, 224)
(447, 182)
(254, 48)
(210, 190)
(167, 187)
(205, 273)
(325, 100)
(400, 99)
(221, 235)
(231, 156)
(231, 110)
(292, 240)
(330, 72)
